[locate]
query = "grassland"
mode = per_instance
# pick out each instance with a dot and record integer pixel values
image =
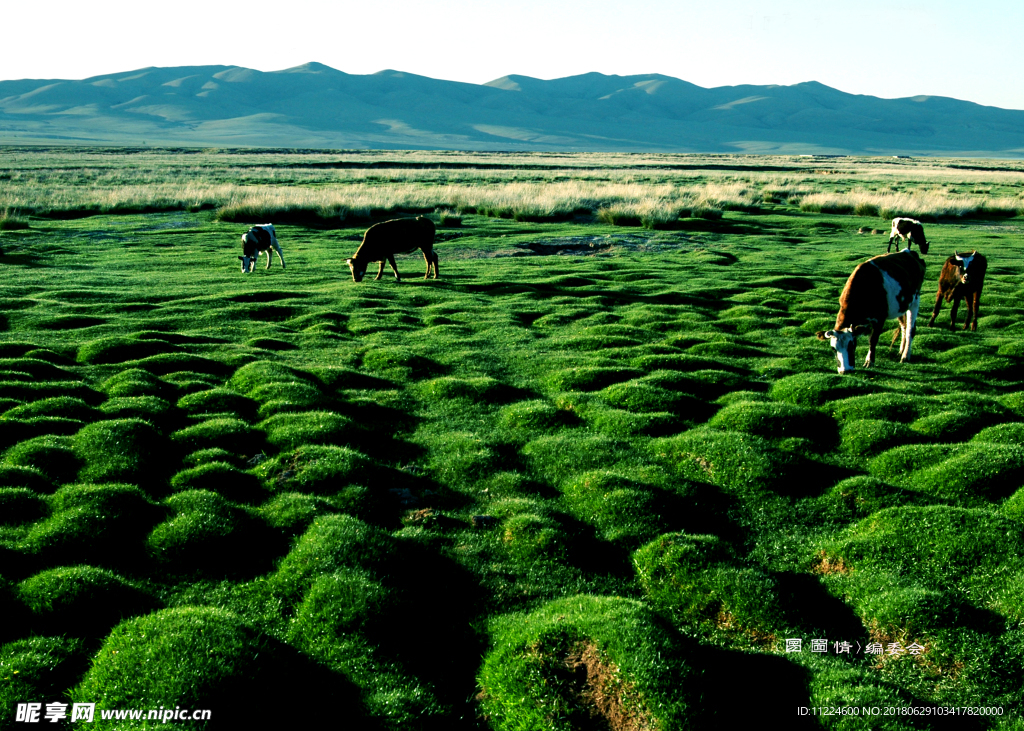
(594, 476)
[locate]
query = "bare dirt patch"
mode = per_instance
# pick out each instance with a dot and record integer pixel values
(610, 699)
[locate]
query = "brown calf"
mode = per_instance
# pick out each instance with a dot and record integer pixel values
(399, 236)
(962, 277)
(909, 230)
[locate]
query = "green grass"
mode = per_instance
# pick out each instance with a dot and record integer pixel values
(447, 504)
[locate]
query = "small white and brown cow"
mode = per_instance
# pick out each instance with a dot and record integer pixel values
(399, 236)
(909, 230)
(258, 240)
(962, 277)
(880, 289)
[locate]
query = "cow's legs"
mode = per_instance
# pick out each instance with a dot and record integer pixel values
(952, 314)
(935, 310)
(426, 258)
(380, 271)
(394, 267)
(976, 296)
(969, 305)
(908, 328)
(435, 257)
(268, 258)
(872, 343)
(277, 247)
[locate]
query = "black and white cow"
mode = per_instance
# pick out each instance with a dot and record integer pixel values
(880, 289)
(257, 240)
(909, 230)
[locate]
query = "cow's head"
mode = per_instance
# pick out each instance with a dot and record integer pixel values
(249, 252)
(963, 263)
(358, 269)
(844, 342)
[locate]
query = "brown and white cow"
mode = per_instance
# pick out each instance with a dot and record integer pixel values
(909, 230)
(880, 289)
(962, 277)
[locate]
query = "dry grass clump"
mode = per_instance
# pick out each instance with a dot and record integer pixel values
(11, 221)
(917, 204)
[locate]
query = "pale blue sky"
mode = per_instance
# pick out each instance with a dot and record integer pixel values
(887, 48)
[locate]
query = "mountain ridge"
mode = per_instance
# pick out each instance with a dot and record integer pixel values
(315, 105)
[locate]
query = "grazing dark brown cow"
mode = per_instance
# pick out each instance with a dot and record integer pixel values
(910, 230)
(400, 236)
(257, 240)
(880, 289)
(962, 277)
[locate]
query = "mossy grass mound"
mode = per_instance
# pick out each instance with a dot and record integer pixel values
(270, 344)
(1001, 434)
(293, 512)
(745, 464)
(28, 391)
(82, 601)
(697, 580)
(899, 407)
(38, 667)
(346, 601)
(53, 456)
(205, 658)
(217, 401)
(162, 365)
(815, 389)
(868, 437)
(147, 408)
(775, 420)
(121, 450)
(967, 474)
(589, 378)
(209, 535)
(64, 407)
(640, 397)
(211, 454)
(40, 370)
(964, 547)
(28, 477)
(118, 349)
(951, 426)
(98, 524)
(681, 362)
(622, 423)
(340, 378)
(232, 435)
(135, 382)
(858, 497)
(401, 363)
(222, 478)
(331, 543)
(583, 659)
(481, 389)
(20, 505)
(561, 455)
(624, 510)
(524, 419)
(279, 397)
(529, 536)
(292, 430)
(316, 469)
(259, 373)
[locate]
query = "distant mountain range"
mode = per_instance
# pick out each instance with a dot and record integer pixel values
(316, 106)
